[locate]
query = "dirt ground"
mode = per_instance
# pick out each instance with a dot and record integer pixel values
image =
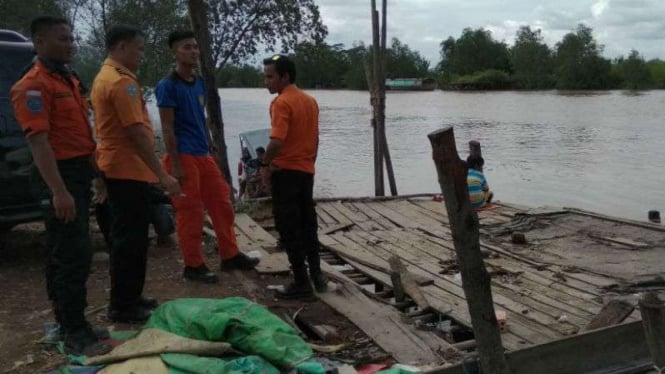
(24, 308)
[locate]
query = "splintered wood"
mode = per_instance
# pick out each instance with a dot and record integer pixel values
(544, 300)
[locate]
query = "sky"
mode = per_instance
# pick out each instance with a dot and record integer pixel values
(618, 25)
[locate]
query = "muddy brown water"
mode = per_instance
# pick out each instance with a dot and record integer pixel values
(601, 151)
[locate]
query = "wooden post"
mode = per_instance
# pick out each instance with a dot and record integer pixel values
(389, 165)
(376, 78)
(199, 22)
(452, 173)
(652, 309)
(379, 189)
(384, 146)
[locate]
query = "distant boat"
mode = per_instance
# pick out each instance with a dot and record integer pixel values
(411, 84)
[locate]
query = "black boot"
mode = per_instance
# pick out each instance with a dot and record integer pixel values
(84, 342)
(296, 291)
(300, 289)
(319, 280)
(200, 273)
(133, 314)
(240, 262)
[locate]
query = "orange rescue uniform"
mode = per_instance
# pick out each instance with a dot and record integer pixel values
(295, 121)
(118, 103)
(44, 101)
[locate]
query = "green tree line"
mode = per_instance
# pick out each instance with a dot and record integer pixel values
(476, 60)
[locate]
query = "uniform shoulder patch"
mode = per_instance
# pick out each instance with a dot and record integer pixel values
(132, 90)
(34, 101)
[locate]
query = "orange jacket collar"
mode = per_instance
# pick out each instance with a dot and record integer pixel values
(115, 64)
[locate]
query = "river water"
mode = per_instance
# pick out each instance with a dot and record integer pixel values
(601, 151)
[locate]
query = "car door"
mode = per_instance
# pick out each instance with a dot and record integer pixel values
(19, 182)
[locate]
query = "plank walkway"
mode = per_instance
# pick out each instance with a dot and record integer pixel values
(548, 288)
(544, 299)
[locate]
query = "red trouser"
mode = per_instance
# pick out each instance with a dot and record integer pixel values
(204, 188)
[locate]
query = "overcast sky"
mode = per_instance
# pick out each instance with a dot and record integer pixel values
(619, 25)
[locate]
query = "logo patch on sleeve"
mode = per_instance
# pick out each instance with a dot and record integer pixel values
(132, 90)
(34, 104)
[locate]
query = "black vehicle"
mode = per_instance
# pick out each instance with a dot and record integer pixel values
(20, 184)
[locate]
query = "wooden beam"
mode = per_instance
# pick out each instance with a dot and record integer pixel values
(613, 313)
(464, 226)
(616, 349)
(382, 323)
(408, 284)
(652, 309)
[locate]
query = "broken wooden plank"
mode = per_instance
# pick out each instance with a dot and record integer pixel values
(617, 349)
(408, 284)
(613, 313)
(382, 324)
(254, 231)
(338, 227)
(271, 263)
(356, 255)
(646, 225)
(626, 242)
(447, 297)
(546, 323)
(373, 215)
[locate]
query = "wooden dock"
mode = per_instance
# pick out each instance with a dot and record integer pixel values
(573, 263)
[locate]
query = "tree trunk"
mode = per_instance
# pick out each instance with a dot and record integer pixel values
(199, 21)
(464, 226)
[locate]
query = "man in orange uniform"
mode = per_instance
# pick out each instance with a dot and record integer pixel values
(181, 100)
(291, 154)
(126, 156)
(52, 111)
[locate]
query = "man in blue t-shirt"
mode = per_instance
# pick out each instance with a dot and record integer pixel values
(181, 100)
(479, 190)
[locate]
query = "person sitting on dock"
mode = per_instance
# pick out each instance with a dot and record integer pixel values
(479, 191)
(181, 99)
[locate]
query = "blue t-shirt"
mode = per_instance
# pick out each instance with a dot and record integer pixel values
(188, 100)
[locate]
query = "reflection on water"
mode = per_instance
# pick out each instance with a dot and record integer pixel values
(600, 151)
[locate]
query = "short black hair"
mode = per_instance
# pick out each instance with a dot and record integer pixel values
(283, 64)
(42, 23)
(475, 162)
(178, 35)
(121, 33)
(260, 150)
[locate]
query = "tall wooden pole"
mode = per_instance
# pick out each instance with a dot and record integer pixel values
(382, 109)
(199, 22)
(379, 189)
(652, 309)
(464, 226)
(376, 79)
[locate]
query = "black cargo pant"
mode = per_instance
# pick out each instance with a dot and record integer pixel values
(129, 201)
(295, 220)
(69, 252)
